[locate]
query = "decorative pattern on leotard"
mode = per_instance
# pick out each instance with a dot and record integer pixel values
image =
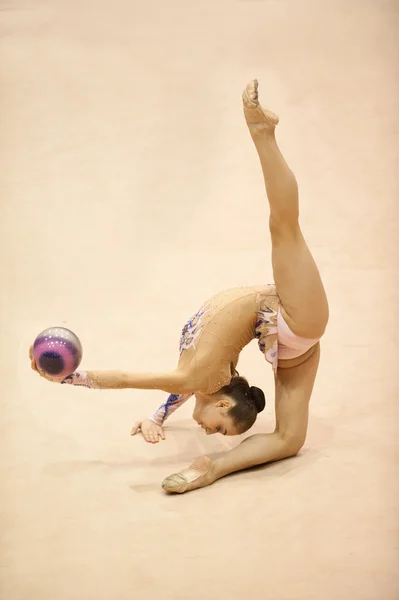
(192, 329)
(266, 333)
(167, 408)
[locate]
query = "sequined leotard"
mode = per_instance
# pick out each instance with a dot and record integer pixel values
(213, 338)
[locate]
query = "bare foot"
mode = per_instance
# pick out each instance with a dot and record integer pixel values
(199, 474)
(258, 118)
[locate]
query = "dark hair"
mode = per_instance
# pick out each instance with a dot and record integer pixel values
(248, 402)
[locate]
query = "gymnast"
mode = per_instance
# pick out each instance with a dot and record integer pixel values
(287, 318)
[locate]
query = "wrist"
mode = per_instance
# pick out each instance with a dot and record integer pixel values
(80, 378)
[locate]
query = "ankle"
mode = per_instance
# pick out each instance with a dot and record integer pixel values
(262, 134)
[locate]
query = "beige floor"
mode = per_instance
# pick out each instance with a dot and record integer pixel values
(130, 192)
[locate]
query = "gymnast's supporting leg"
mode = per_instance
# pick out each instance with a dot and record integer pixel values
(298, 282)
(294, 387)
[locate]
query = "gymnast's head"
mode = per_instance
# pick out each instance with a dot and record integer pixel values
(232, 410)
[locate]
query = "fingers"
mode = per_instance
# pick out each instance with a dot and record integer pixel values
(152, 435)
(147, 433)
(150, 431)
(33, 362)
(136, 427)
(34, 366)
(157, 433)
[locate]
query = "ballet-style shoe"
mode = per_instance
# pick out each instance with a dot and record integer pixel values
(196, 476)
(255, 114)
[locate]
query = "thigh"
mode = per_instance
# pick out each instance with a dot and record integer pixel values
(294, 388)
(303, 299)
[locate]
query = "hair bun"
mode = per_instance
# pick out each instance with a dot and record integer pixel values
(258, 398)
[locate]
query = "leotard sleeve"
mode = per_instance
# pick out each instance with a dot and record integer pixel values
(80, 378)
(167, 408)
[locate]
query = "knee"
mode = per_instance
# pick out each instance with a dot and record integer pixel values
(283, 226)
(291, 444)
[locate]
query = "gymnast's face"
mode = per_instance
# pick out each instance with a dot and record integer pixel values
(212, 415)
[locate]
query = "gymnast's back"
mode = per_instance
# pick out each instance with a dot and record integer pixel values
(213, 338)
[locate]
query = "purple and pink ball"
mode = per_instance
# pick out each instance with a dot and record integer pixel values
(57, 351)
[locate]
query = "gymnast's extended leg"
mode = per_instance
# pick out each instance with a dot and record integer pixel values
(297, 279)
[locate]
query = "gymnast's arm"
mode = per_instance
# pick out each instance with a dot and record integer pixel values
(182, 381)
(176, 382)
(173, 402)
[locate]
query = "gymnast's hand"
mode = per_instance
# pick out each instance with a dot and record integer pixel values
(36, 368)
(151, 431)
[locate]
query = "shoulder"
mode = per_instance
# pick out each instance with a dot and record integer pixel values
(210, 381)
(203, 376)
